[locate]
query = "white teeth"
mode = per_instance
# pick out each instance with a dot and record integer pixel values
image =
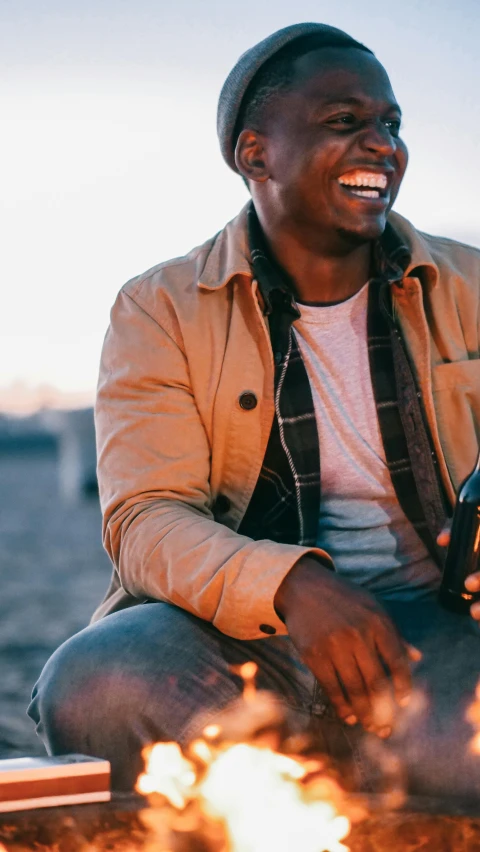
(366, 193)
(360, 178)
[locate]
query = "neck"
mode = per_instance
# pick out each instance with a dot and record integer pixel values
(318, 273)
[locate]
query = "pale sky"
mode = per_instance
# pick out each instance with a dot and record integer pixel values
(110, 161)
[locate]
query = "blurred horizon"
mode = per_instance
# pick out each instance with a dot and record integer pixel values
(113, 161)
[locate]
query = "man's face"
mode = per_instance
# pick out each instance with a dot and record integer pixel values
(333, 154)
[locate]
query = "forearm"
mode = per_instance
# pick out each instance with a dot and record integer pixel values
(166, 550)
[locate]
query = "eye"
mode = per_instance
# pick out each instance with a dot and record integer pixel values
(345, 120)
(394, 125)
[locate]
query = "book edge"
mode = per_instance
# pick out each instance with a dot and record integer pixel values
(57, 770)
(54, 801)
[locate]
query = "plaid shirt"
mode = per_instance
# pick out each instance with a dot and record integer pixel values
(285, 505)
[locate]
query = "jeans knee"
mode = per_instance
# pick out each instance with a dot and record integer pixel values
(80, 699)
(134, 678)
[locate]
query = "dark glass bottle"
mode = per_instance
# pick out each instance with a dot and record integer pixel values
(463, 555)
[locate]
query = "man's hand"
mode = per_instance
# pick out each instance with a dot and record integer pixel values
(472, 583)
(348, 642)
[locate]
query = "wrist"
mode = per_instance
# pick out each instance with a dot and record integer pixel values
(285, 593)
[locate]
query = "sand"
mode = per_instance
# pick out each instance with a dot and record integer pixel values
(53, 572)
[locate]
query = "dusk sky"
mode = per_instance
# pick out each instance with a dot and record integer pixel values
(110, 161)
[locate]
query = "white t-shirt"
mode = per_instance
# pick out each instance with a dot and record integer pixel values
(361, 525)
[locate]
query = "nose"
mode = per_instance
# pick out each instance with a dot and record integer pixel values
(376, 137)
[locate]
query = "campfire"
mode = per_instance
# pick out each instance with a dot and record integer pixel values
(251, 783)
(228, 796)
(247, 784)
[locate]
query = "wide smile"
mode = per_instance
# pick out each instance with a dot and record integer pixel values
(369, 186)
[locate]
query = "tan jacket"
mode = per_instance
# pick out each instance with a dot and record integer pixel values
(186, 339)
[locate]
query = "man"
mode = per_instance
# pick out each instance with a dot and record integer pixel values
(278, 423)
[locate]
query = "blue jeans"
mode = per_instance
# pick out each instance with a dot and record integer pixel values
(155, 672)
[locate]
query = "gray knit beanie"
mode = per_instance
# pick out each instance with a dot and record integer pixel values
(249, 64)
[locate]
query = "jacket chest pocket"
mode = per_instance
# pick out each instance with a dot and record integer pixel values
(456, 393)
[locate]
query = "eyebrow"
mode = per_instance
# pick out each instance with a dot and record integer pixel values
(352, 101)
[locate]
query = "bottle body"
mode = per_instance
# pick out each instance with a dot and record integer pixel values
(463, 555)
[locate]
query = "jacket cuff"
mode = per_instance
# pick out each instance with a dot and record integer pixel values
(266, 567)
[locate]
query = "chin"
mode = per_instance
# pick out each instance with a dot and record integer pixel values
(364, 231)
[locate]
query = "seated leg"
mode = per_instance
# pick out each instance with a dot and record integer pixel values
(150, 673)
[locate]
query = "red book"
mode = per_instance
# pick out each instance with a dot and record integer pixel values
(44, 782)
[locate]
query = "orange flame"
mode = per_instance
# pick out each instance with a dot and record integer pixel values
(256, 796)
(168, 773)
(263, 798)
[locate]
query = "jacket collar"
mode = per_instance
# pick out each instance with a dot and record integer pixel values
(229, 255)
(417, 245)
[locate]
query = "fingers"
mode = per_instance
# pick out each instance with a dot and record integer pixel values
(413, 654)
(395, 656)
(356, 681)
(475, 608)
(443, 538)
(475, 611)
(328, 679)
(472, 584)
(354, 687)
(379, 691)
(357, 685)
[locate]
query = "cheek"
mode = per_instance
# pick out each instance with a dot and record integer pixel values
(401, 161)
(315, 177)
(402, 157)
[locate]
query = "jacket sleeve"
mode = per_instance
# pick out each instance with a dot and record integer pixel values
(153, 470)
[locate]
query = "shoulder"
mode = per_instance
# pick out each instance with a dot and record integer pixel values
(167, 294)
(450, 258)
(206, 268)
(172, 276)
(456, 255)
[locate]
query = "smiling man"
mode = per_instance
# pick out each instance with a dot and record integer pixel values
(278, 424)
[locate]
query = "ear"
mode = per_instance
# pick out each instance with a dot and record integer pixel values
(250, 156)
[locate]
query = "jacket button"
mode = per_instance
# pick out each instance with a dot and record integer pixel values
(247, 400)
(221, 505)
(267, 628)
